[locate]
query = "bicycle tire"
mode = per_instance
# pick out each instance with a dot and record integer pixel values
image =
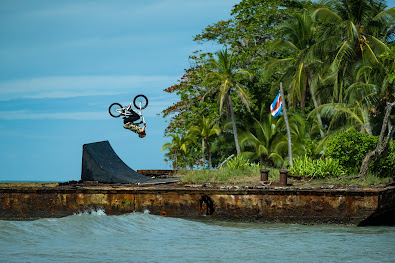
(113, 110)
(140, 98)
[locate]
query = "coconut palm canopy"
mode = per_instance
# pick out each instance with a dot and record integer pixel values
(336, 60)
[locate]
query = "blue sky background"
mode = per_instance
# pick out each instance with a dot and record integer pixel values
(62, 63)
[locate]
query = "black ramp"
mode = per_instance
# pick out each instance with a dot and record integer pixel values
(101, 163)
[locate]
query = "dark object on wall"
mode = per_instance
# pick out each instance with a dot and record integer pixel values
(100, 163)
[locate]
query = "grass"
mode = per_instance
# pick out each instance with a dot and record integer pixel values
(368, 180)
(252, 175)
(226, 175)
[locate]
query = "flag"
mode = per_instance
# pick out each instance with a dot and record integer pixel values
(276, 106)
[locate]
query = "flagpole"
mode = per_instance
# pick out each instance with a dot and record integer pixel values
(286, 125)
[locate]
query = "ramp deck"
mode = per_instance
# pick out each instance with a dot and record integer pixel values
(100, 163)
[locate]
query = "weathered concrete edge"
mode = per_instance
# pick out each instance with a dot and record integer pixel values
(317, 206)
(119, 189)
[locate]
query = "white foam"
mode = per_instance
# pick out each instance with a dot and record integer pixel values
(92, 211)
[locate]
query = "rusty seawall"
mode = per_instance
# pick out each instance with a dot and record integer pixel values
(373, 206)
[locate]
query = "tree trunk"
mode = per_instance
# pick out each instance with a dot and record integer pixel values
(367, 126)
(290, 99)
(232, 116)
(176, 159)
(210, 164)
(303, 101)
(287, 125)
(262, 160)
(381, 147)
(315, 102)
(187, 163)
(203, 155)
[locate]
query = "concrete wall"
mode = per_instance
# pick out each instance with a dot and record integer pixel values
(341, 206)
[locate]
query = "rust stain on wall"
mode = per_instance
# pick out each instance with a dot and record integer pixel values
(367, 206)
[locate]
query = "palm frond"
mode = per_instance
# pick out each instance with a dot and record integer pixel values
(385, 16)
(370, 54)
(326, 15)
(359, 91)
(281, 45)
(378, 45)
(243, 95)
(273, 65)
(346, 50)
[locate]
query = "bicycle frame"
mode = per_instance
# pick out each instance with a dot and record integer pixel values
(124, 111)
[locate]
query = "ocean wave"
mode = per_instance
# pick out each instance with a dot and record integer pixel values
(93, 236)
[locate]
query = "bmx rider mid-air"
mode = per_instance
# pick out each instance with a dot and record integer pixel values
(134, 127)
(140, 102)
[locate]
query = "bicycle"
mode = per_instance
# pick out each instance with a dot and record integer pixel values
(140, 102)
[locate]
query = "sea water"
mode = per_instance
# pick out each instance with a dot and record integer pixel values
(141, 237)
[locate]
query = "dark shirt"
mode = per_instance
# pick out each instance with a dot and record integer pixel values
(132, 118)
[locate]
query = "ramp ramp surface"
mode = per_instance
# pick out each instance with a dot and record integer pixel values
(101, 163)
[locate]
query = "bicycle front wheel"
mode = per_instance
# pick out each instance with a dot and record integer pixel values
(140, 102)
(115, 110)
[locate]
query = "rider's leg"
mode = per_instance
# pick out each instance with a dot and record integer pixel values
(133, 127)
(131, 118)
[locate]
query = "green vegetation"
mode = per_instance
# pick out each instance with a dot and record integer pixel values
(222, 176)
(320, 168)
(251, 174)
(205, 129)
(247, 174)
(366, 181)
(350, 148)
(336, 60)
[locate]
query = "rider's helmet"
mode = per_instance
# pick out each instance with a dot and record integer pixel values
(142, 134)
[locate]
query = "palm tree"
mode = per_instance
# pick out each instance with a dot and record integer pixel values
(372, 88)
(223, 78)
(178, 146)
(302, 68)
(354, 31)
(345, 117)
(299, 133)
(205, 130)
(375, 82)
(265, 142)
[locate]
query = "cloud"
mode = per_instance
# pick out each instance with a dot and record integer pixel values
(125, 9)
(155, 107)
(28, 115)
(77, 86)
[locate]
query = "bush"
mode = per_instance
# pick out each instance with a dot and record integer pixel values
(350, 148)
(385, 166)
(238, 162)
(321, 168)
(311, 148)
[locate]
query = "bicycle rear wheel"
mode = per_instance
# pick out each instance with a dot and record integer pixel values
(140, 100)
(115, 110)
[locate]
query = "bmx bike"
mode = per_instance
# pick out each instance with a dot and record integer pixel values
(140, 102)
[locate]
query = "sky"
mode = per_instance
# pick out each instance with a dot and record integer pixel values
(62, 63)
